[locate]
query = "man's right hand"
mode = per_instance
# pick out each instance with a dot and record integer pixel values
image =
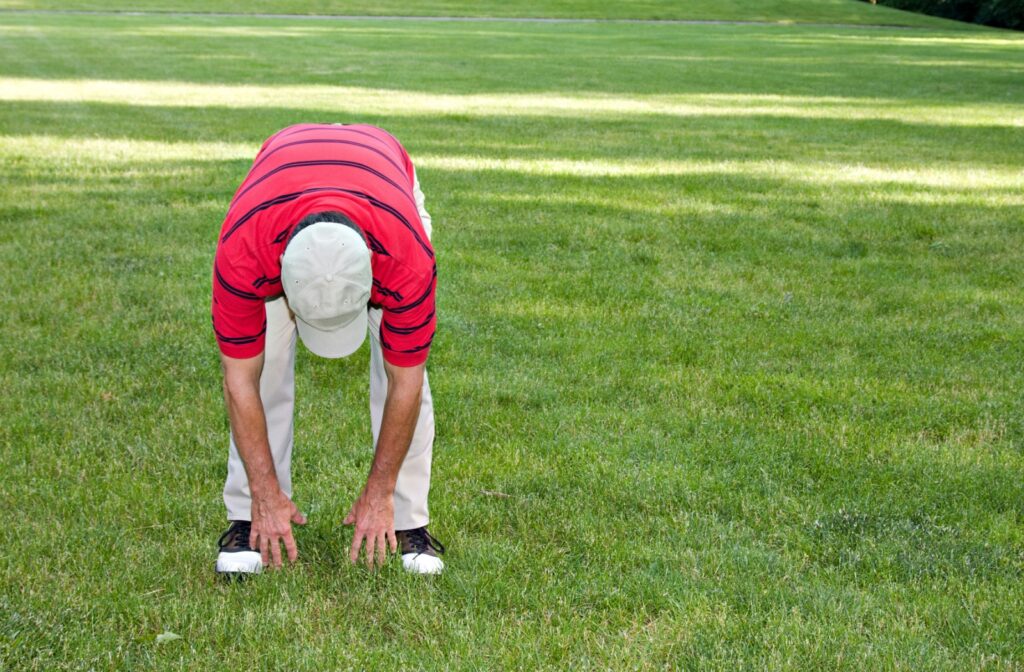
(272, 513)
(272, 518)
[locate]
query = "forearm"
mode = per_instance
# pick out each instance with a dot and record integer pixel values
(249, 427)
(272, 511)
(401, 411)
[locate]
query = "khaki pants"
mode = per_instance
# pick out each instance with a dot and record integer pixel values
(277, 391)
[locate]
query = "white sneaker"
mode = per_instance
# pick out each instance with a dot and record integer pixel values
(236, 558)
(419, 551)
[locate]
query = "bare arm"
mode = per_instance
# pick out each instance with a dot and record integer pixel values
(401, 411)
(373, 513)
(248, 424)
(272, 511)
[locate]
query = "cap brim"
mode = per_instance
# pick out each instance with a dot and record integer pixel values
(340, 342)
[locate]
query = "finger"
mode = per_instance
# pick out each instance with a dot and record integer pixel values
(357, 541)
(264, 549)
(350, 518)
(371, 543)
(289, 545)
(382, 548)
(298, 517)
(253, 538)
(392, 540)
(275, 550)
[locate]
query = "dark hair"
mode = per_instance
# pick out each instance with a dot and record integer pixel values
(327, 216)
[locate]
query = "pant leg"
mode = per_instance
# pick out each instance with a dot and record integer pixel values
(413, 484)
(420, 199)
(277, 391)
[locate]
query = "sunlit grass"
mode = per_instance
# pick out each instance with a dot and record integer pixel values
(357, 100)
(963, 43)
(101, 151)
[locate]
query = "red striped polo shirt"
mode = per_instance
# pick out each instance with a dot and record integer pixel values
(360, 171)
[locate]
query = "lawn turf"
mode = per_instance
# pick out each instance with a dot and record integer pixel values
(772, 11)
(731, 314)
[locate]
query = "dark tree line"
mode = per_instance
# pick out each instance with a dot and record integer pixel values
(1001, 13)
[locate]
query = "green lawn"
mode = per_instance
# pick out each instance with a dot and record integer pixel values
(731, 314)
(784, 11)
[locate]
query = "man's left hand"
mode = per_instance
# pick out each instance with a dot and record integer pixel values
(373, 515)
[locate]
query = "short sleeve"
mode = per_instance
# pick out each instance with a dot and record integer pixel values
(407, 331)
(239, 317)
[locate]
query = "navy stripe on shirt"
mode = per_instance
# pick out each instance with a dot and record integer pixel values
(240, 293)
(277, 200)
(264, 280)
(420, 300)
(385, 291)
(286, 198)
(419, 348)
(338, 129)
(375, 244)
(397, 215)
(330, 142)
(405, 331)
(327, 162)
(240, 340)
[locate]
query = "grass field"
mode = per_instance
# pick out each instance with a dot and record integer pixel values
(784, 11)
(731, 314)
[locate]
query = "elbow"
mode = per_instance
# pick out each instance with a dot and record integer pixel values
(406, 388)
(238, 387)
(408, 391)
(405, 378)
(235, 388)
(241, 380)
(231, 391)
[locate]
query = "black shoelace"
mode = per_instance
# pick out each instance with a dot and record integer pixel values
(237, 535)
(421, 540)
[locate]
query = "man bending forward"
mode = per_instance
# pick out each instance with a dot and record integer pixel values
(327, 237)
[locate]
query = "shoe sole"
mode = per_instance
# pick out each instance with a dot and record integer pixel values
(247, 563)
(239, 563)
(418, 563)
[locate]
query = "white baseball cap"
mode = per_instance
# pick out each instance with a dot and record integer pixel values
(326, 275)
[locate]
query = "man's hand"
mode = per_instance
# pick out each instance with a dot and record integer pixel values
(373, 515)
(272, 518)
